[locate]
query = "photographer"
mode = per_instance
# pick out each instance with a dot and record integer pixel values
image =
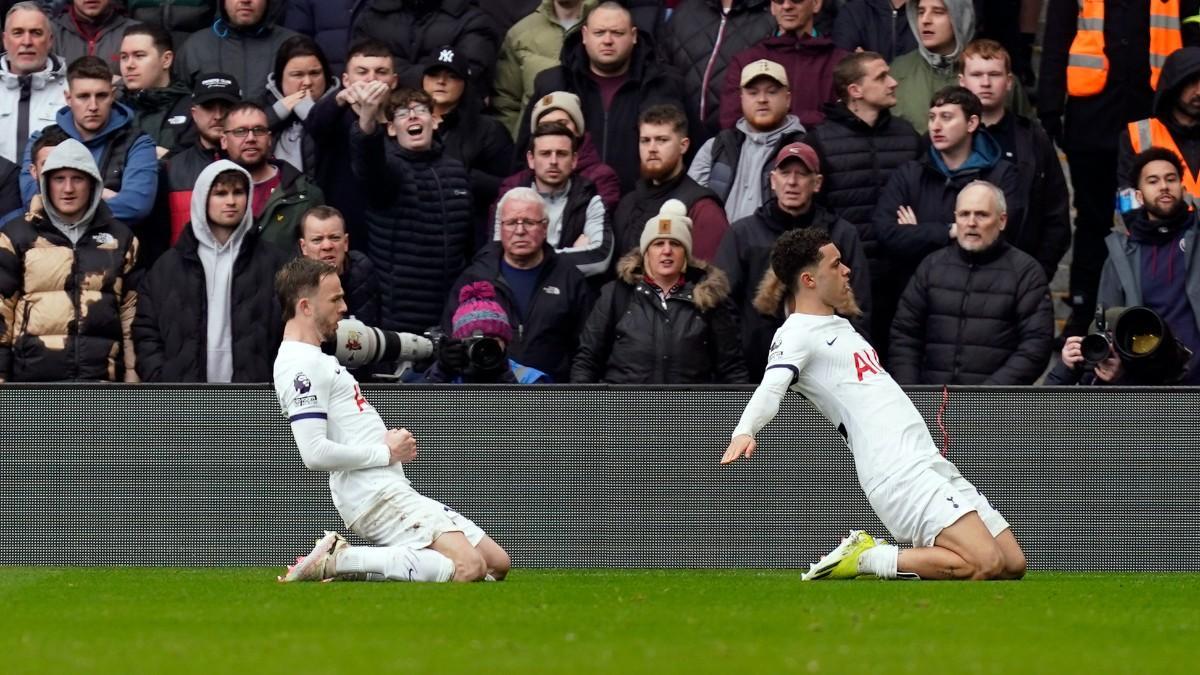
(477, 350)
(1152, 266)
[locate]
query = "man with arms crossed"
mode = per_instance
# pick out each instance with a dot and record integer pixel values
(920, 496)
(337, 430)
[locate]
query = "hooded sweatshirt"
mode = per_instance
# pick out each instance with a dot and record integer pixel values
(920, 73)
(218, 260)
(288, 125)
(747, 191)
(71, 154)
(1180, 67)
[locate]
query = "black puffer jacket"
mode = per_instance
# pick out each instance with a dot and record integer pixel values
(633, 337)
(415, 29)
(362, 288)
(1045, 230)
(973, 318)
(614, 132)
(745, 255)
(171, 326)
(547, 337)
(857, 159)
(418, 221)
(164, 114)
(483, 145)
(873, 26)
(699, 41)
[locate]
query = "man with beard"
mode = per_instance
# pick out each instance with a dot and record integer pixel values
(662, 143)
(1154, 265)
(281, 193)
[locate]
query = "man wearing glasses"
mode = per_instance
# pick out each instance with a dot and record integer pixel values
(418, 210)
(281, 193)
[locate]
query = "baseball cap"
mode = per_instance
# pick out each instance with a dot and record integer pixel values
(764, 68)
(448, 58)
(800, 151)
(216, 87)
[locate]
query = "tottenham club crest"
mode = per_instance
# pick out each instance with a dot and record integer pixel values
(302, 383)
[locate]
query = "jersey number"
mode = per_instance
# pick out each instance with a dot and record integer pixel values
(358, 399)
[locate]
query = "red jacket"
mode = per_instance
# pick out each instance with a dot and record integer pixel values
(809, 63)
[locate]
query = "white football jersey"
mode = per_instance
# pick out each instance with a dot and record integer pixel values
(835, 368)
(313, 387)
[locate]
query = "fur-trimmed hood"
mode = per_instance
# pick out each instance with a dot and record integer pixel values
(706, 286)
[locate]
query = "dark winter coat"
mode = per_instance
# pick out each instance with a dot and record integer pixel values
(644, 203)
(874, 26)
(329, 125)
(181, 169)
(483, 145)
(164, 115)
(634, 337)
(71, 41)
(701, 39)
(10, 189)
(808, 60)
(973, 318)
(614, 132)
(325, 21)
(419, 232)
(181, 17)
(171, 330)
(579, 195)
(44, 278)
(248, 55)
(548, 336)
(745, 256)
(416, 30)
(361, 286)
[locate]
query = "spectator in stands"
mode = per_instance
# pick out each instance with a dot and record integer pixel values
(532, 45)
(579, 227)
(943, 29)
(67, 294)
(616, 77)
(180, 17)
(807, 60)
(32, 81)
(10, 189)
(1099, 103)
(662, 143)
(90, 28)
(504, 14)
(879, 26)
(124, 154)
(281, 193)
(323, 237)
(860, 143)
(207, 311)
(414, 31)
(564, 107)
(666, 319)
(212, 97)
(480, 142)
(243, 41)
(301, 78)
(736, 163)
(327, 22)
(51, 137)
(745, 252)
(546, 298)
(478, 315)
(1045, 233)
(160, 103)
(701, 39)
(913, 216)
(1175, 124)
(978, 311)
(1153, 265)
(418, 210)
(329, 124)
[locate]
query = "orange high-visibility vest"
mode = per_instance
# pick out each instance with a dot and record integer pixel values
(1087, 66)
(1144, 134)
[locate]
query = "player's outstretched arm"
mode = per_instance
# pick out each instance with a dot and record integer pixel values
(761, 409)
(741, 446)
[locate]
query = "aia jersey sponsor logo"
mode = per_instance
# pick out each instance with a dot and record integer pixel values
(866, 363)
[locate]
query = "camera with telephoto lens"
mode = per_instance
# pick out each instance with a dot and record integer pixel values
(483, 354)
(1148, 349)
(358, 344)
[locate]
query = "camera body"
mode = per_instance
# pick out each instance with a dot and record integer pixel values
(476, 354)
(1150, 352)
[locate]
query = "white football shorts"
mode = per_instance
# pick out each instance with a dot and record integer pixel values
(412, 520)
(917, 504)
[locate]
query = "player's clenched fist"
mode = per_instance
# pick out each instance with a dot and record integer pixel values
(742, 445)
(401, 444)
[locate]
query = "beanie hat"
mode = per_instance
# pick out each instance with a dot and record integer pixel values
(479, 311)
(558, 100)
(670, 223)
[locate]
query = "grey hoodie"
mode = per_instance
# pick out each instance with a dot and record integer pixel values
(70, 154)
(962, 17)
(218, 260)
(746, 194)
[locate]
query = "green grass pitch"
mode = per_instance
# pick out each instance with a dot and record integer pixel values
(138, 620)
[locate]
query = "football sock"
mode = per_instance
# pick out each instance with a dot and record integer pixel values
(396, 563)
(880, 561)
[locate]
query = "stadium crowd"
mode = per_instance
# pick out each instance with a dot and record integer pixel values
(595, 184)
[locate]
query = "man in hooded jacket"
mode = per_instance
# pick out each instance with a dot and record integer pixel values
(242, 41)
(208, 311)
(57, 326)
(1175, 124)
